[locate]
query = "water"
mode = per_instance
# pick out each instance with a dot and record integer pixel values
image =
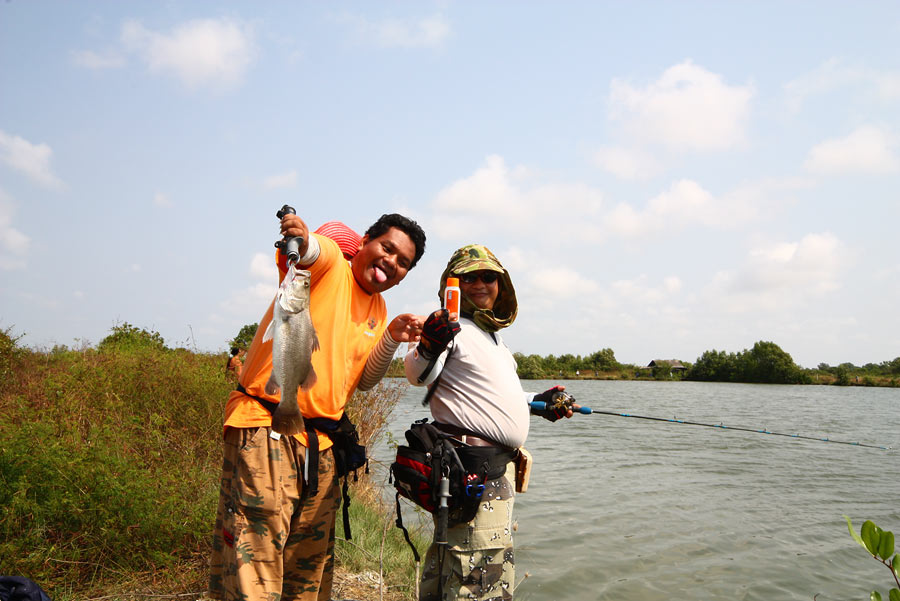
(636, 510)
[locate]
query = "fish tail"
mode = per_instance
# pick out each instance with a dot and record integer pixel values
(287, 423)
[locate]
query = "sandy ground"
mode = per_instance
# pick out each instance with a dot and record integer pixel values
(362, 587)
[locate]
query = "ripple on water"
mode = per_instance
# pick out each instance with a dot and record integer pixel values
(631, 509)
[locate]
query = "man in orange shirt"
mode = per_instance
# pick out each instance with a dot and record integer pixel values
(274, 532)
(234, 362)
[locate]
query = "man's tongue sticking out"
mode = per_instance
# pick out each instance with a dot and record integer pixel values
(380, 276)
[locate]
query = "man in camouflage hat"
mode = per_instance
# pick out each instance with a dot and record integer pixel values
(475, 396)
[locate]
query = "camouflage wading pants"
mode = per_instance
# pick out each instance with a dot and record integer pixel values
(478, 563)
(269, 544)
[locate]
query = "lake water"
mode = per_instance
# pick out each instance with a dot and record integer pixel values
(633, 510)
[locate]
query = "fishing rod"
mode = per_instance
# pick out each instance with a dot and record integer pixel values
(560, 399)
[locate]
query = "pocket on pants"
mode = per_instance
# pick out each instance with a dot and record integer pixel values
(259, 473)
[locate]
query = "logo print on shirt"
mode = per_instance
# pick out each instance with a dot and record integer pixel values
(372, 323)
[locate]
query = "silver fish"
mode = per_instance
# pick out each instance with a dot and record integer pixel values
(293, 342)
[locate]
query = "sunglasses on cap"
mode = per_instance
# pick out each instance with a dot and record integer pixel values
(488, 277)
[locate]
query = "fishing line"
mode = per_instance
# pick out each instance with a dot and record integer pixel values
(538, 405)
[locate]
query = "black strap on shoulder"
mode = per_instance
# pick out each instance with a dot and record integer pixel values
(434, 385)
(432, 362)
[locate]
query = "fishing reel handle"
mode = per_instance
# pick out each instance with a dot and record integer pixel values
(540, 406)
(289, 246)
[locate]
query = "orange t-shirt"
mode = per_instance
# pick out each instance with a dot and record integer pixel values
(348, 322)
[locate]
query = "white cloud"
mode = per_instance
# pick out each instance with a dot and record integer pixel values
(248, 302)
(835, 74)
(13, 243)
(558, 282)
(31, 159)
(98, 60)
(244, 306)
(162, 200)
(423, 32)
(497, 199)
(686, 203)
(688, 107)
(866, 150)
(203, 52)
(672, 284)
(639, 292)
(782, 275)
(282, 180)
(491, 189)
(626, 163)
(263, 269)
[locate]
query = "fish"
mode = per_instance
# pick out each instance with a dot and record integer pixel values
(294, 341)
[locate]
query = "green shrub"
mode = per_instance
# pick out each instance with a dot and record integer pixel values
(8, 351)
(127, 336)
(880, 544)
(110, 461)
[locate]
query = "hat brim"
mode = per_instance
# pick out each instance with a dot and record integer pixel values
(476, 265)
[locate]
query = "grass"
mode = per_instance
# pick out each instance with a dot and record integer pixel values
(109, 467)
(378, 547)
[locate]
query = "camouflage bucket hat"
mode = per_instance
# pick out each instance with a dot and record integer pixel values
(473, 257)
(476, 257)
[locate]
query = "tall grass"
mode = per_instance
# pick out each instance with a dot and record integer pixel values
(110, 460)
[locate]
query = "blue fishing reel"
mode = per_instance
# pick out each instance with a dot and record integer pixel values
(558, 400)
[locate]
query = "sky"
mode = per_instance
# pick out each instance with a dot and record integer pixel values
(659, 178)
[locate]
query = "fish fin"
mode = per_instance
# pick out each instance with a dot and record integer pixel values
(272, 386)
(287, 423)
(270, 331)
(315, 338)
(310, 380)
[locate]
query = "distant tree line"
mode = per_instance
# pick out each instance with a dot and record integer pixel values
(535, 367)
(845, 373)
(765, 363)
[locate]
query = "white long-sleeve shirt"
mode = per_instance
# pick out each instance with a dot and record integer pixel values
(478, 389)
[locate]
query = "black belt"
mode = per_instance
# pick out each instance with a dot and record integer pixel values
(468, 437)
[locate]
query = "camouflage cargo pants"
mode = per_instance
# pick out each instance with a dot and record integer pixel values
(478, 563)
(270, 542)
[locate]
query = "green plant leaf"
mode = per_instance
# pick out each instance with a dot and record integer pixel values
(871, 534)
(875, 596)
(895, 566)
(886, 544)
(853, 533)
(894, 595)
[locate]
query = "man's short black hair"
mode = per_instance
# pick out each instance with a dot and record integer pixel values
(405, 225)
